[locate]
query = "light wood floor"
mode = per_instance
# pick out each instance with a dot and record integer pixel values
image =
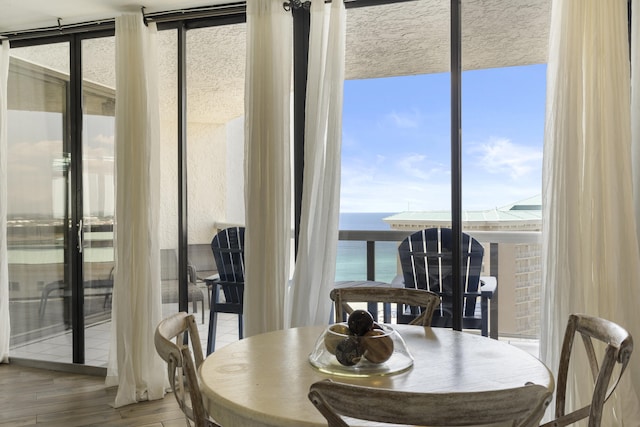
(30, 396)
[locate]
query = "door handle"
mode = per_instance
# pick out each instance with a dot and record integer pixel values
(80, 234)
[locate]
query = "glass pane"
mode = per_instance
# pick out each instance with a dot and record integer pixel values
(215, 155)
(38, 202)
(396, 161)
(98, 86)
(503, 112)
(168, 73)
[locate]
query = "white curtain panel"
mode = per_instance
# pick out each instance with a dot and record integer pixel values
(591, 262)
(5, 326)
(315, 269)
(133, 362)
(635, 107)
(267, 164)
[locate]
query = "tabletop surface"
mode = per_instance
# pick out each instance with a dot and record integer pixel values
(264, 380)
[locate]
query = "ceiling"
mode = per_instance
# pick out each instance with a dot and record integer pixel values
(18, 15)
(396, 39)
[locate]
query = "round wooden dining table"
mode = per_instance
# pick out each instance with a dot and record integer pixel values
(264, 380)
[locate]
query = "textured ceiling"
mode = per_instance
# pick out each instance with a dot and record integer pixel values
(389, 40)
(17, 15)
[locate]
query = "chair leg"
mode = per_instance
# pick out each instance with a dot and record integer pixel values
(484, 313)
(211, 341)
(240, 326)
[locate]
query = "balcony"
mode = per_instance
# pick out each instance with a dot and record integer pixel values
(513, 257)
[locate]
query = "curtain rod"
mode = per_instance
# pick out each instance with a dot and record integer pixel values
(223, 10)
(109, 24)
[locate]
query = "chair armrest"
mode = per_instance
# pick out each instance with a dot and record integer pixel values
(192, 273)
(239, 285)
(488, 286)
(212, 280)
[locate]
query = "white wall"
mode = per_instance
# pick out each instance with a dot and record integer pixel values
(206, 179)
(235, 172)
(215, 180)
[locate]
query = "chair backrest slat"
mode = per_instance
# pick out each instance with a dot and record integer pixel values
(228, 251)
(427, 263)
(524, 406)
(421, 300)
(618, 345)
(172, 338)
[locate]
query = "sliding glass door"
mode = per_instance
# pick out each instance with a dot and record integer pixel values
(38, 215)
(98, 194)
(61, 199)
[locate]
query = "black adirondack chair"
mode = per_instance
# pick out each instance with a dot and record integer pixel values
(426, 260)
(227, 291)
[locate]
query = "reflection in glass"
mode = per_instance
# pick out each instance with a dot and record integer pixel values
(38, 200)
(98, 193)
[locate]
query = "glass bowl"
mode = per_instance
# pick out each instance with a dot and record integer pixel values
(381, 351)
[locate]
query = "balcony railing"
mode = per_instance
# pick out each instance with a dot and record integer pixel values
(513, 257)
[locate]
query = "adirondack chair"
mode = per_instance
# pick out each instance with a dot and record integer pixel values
(426, 261)
(227, 291)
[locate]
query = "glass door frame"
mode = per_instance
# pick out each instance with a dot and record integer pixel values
(72, 145)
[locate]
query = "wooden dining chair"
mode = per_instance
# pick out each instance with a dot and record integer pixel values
(417, 300)
(523, 406)
(174, 338)
(618, 346)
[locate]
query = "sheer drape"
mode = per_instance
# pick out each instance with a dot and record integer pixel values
(591, 262)
(267, 164)
(133, 362)
(5, 325)
(635, 108)
(316, 259)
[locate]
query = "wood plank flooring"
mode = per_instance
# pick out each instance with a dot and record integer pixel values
(30, 396)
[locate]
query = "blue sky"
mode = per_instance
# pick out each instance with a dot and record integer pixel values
(396, 140)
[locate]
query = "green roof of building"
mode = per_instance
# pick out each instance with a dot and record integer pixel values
(525, 210)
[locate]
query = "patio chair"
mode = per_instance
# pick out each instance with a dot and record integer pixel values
(169, 282)
(227, 291)
(523, 406)
(418, 300)
(426, 261)
(172, 338)
(616, 352)
(202, 262)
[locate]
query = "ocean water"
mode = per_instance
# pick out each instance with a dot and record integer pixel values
(351, 262)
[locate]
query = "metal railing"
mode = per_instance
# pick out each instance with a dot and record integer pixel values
(492, 240)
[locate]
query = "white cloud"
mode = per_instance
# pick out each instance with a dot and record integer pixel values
(500, 155)
(418, 166)
(405, 120)
(396, 182)
(383, 186)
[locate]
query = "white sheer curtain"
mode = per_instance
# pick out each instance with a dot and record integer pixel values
(267, 164)
(635, 107)
(316, 259)
(591, 262)
(5, 326)
(133, 362)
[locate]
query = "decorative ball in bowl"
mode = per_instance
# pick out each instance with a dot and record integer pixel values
(360, 347)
